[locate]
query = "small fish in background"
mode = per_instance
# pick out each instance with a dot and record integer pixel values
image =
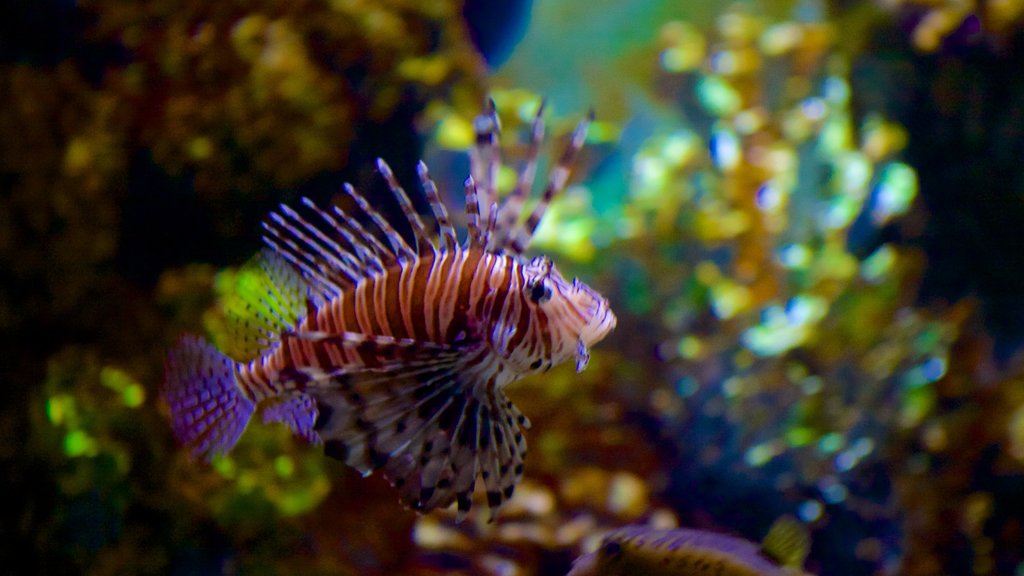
(395, 355)
(687, 552)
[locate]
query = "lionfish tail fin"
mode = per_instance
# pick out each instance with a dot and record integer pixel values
(209, 410)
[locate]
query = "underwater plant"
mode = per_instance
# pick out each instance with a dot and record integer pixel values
(242, 91)
(799, 350)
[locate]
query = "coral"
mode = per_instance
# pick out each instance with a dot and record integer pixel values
(59, 209)
(240, 92)
(794, 359)
(934, 24)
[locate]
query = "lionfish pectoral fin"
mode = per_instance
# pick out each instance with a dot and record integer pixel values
(431, 424)
(582, 356)
(465, 438)
(297, 411)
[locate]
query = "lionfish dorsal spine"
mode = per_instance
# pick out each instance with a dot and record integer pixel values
(489, 226)
(399, 247)
(474, 234)
(419, 229)
(360, 253)
(557, 179)
(365, 244)
(485, 158)
(512, 208)
(449, 239)
(323, 280)
(315, 249)
(334, 257)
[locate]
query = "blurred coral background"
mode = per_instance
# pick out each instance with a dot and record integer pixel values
(808, 216)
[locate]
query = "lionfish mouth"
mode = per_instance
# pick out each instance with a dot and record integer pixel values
(602, 321)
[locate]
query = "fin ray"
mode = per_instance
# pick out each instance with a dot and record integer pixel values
(400, 249)
(434, 427)
(512, 208)
(445, 230)
(484, 164)
(419, 229)
(519, 239)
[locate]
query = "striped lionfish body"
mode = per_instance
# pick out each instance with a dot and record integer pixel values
(395, 354)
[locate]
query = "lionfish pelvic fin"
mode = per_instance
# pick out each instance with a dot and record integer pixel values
(582, 356)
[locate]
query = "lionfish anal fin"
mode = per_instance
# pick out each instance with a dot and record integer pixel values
(297, 411)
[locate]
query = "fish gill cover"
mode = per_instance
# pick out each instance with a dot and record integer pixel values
(750, 200)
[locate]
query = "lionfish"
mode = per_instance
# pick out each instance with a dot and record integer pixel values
(395, 354)
(642, 550)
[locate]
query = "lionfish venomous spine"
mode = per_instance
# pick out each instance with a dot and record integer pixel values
(395, 354)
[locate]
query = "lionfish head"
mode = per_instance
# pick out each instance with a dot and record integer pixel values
(576, 316)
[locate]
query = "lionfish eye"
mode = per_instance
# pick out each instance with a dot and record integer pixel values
(540, 292)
